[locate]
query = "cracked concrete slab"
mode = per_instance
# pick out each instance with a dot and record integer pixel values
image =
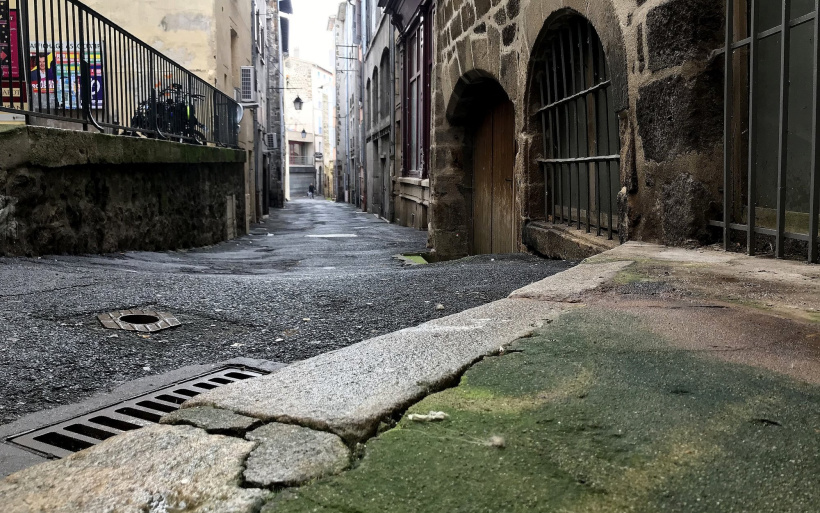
(154, 469)
(212, 420)
(291, 455)
(351, 390)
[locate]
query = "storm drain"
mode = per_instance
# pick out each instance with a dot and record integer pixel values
(65, 438)
(138, 320)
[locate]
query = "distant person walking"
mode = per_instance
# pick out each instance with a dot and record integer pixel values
(310, 191)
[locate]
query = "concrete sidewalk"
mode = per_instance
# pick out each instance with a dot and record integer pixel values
(645, 378)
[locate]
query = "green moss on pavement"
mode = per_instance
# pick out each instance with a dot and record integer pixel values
(596, 414)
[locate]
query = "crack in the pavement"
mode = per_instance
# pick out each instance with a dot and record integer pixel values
(390, 419)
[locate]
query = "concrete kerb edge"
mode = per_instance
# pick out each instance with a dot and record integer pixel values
(356, 433)
(559, 291)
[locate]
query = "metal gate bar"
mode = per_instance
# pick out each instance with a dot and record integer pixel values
(752, 43)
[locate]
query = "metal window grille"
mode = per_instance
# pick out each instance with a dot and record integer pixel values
(771, 183)
(67, 62)
(248, 91)
(580, 130)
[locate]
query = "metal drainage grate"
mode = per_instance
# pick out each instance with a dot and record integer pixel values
(138, 320)
(82, 432)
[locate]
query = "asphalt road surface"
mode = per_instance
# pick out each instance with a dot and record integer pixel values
(285, 292)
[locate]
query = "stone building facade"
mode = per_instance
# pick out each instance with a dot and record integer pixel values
(350, 147)
(274, 144)
(635, 89)
(380, 101)
(413, 56)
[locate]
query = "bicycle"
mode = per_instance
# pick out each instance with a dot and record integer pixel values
(173, 118)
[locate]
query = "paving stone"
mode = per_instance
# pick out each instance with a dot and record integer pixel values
(212, 420)
(150, 470)
(291, 455)
(351, 390)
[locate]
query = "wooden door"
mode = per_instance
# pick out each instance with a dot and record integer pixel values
(493, 186)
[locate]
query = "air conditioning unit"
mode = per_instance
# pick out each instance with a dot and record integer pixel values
(270, 140)
(248, 90)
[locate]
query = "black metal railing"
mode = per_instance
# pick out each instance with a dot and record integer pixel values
(63, 61)
(771, 186)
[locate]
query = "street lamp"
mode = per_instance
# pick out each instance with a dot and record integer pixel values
(304, 134)
(297, 103)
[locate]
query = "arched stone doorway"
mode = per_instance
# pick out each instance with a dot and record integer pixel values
(482, 116)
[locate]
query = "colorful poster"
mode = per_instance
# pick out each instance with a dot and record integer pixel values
(13, 89)
(59, 73)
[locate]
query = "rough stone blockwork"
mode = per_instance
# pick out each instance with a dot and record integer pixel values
(666, 91)
(77, 192)
(159, 468)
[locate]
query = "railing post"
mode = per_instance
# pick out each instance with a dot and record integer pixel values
(24, 40)
(83, 69)
(152, 103)
(727, 122)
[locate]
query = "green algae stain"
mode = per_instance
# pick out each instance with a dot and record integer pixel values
(596, 414)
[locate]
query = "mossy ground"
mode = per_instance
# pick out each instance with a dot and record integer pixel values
(596, 414)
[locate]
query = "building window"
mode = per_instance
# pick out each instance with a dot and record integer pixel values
(416, 97)
(580, 127)
(771, 158)
(375, 100)
(369, 100)
(384, 86)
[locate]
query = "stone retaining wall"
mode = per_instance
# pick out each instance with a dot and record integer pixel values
(79, 192)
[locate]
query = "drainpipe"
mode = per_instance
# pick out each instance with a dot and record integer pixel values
(391, 152)
(254, 121)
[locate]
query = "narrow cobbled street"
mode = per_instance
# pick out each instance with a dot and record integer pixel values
(314, 277)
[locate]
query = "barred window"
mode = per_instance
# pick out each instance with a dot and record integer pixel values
(581, 161)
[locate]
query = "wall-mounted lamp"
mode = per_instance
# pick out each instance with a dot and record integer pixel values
(304, 134)
(297, 103)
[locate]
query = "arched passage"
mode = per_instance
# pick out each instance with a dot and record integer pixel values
(481, 109)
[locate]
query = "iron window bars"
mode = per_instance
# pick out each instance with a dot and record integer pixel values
(64, 61)
(771, 129)
(580, 131)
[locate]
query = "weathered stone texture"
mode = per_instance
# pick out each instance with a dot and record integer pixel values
(292, 455)
(553, 241)
(683, 30)
(685, 204)
(482, 7)
(677, 116)
(212, 420)
(80, 192)
(154, 469)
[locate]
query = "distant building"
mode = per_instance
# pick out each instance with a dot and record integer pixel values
(305, 129)
(380, 110)
(275, 143)
(350, 165)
